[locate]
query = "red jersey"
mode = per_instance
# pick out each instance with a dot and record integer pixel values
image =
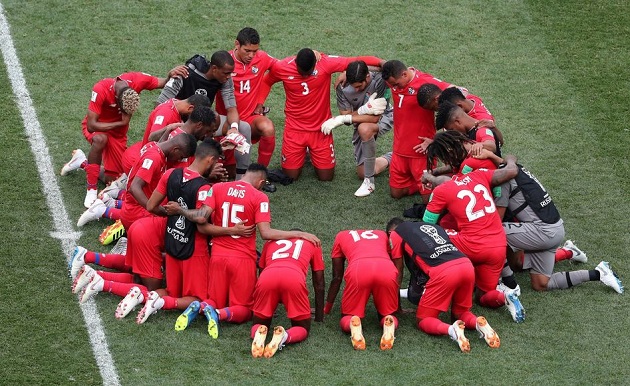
(307, 102)
(201, 240)
(471, 163)
(234, 202)
(479, 110)
(296, 253)
(150, 167)
(103, 100)
(248, 80)
(357, 244)
(468, 198)
(411, 120)
(163, 115)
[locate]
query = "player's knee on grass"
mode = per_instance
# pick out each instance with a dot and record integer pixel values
(325, 174)
(539, 281)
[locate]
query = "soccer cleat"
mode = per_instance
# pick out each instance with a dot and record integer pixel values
(189, 314)
(129, 302)
(78, 157)
(609, 277)
(503, 288)
(456, 332)
(120, 248)
(112, 233)
(389, 327)
(487, 333)
(213, 320)
(578, 255)
(153, 304)
(93, 213)
(366, 188)
(258, 344)
(356, 333)
(76, 261)
(83, 278)
(90, 197)
(277, 342)
(114, 187)
(92, 288)
(514, 306)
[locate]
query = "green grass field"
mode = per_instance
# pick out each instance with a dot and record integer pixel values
(554, 73)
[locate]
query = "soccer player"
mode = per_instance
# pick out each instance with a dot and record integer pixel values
(306, 83)
(451, 281)
(284, 264)
(533, 224)
(113, 102)
(351, 99)
(210, 78)
(480, 233)
(410, 122)
(232, 268)
(371, 271)
(251, 63)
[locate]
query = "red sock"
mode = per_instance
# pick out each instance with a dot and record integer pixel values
(112, 213)
(120, 277)
(114, 261)
(469, 319)
(91, 172)
(395, 321)
(563, 254)
(121, 289)
(170, 303)
(235, 314)
(492, 299)
(266, 146)
(433, 326)
(344, 323)
(296, 334)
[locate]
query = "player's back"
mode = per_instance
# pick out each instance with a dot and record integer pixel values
(295, 253)
(164, 114)
(479, 110)
(355, 245)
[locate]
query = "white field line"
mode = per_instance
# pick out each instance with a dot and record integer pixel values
(63, 227)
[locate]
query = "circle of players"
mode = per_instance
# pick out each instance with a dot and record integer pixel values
(189, 199)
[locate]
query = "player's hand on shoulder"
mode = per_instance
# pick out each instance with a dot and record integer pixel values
(181, 71)
(476, 149)
(483, 154)
(341, 80)
(310, 237)
(243, 230)
(218, 173)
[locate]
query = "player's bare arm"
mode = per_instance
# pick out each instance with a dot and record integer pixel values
(198, 216)
(335, 283)
(136, 191)
(268, 233)
(319, 284)
(487, 154)
(153, 205)
(506, 173)
(490, 124)
(399, 266)
(162, 134)
(239, 229)
(93, 124)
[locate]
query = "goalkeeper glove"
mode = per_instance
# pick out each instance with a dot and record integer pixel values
(334, 122)
(374, 106)
(235, 141)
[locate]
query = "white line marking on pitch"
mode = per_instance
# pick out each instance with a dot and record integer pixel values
(63, 228)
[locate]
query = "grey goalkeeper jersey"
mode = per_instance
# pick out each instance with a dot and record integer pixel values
(350, 100)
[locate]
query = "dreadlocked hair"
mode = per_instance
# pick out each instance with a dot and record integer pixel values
(448, 147)
(129, 100)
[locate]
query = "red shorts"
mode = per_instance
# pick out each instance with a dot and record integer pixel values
(451, 282)
(112, 153)
(187, 277)
(131, 156)
(488, 262)
(295, 143)
(145, 243)
(284, 285)
(231, 280)
(370, 276)
(406, 173)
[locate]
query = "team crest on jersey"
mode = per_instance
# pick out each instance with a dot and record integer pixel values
(254, 70)
(201, 91)
(411, 91)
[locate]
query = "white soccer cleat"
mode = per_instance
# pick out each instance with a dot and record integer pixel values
(76, 261)
(487, 333)
(609, 277)
(129, 302)
(277, 342)
(153, 304)
(120, 248)
(258, 344)
(78, 157)
(578, 255)
(92, 288)
(388, 337)
(94, 212)
(514, 306)
(83, 278)
(90, 197)
(456, 332)
(503, 288)
(114, 187)
(366, 188)
(356, 333)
